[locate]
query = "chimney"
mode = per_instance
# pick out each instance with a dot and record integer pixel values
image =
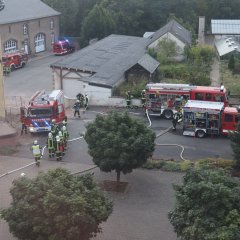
(201, 30)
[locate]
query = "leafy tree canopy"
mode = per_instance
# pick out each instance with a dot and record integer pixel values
(98, 24)
(235, 144)
(119, 142)
(207, 206)
(56, 205)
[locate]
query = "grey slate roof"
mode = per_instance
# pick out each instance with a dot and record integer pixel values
(176, 29)
(22, 10)
(109, 58)
(148, 63)
(223, 26)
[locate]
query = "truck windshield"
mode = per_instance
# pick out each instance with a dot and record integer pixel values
(40, 112)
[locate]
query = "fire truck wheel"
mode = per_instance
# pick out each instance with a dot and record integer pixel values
(167, 114)
(12, 68)
(200, 134)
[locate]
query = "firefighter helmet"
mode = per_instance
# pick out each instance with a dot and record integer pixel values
(53, 120)
(78, 101)
(50, 135)
(57, 138)
(35, 142)
(64, 128)
(60, 134)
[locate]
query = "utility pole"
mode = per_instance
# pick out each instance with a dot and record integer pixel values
(2, 98)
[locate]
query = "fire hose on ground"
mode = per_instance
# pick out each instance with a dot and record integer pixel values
(164, 132)
(42, 153)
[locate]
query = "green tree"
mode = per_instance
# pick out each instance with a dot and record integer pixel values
(126, 14)
(231, 63)
(235, 144)
(68, 10)
(119, 142)
(98, 24)
(166, 49)
(207, 206)
(56, 205)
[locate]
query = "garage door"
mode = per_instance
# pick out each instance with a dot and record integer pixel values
(40, 43)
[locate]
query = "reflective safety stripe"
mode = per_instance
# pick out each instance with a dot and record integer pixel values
(36, 150)
(50, 143)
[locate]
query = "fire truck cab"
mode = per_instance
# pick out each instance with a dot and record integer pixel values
(14, 60)
(63, 47)
(202, 118)
(42, 108)
(164, 98)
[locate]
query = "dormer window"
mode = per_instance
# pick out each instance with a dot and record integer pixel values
(51, 24)
(25, 29)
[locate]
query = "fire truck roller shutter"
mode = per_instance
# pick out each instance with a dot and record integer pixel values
(168, 114)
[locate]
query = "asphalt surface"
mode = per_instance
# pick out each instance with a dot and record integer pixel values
(140, 212)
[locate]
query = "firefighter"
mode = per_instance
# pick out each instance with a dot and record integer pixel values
(76, 108)
(64, 122)
(58, 149)
(177, 118)
(61, 142)
(80, 97)
(128, 99)
(24, 126)
(50, 145)
(37, 152)
(65, 135)
(54, 128)
(86, 101)
(143, 98)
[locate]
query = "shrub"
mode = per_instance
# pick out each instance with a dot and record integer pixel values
(171, 166)
(185, 165)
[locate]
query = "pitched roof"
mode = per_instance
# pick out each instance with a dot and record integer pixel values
(148, 63)
(108, 59)
(225, 46)
(223, 26)
(174, 28)
(23, 10)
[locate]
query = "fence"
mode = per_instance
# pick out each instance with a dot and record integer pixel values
(12, 109)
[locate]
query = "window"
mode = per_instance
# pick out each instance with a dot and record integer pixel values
(60, 109)
(9, 29)
(208, 96)
(228, 118)
(10, 46)
(198, 96)
(25, 29)
(51, 24)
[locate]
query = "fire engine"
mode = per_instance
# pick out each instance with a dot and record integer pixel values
(63, 47)
(165, 99)
(201, 118)
(42, 108)
(14, 60)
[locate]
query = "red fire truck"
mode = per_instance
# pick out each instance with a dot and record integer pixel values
(42, 108)
(201, 118)
(164, 99)
(63, 47)
(14, 60)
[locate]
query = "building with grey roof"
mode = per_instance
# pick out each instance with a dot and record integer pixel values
(172, 31)
(99, 67)
(225, 27)
(28, 25)
(226, 34)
